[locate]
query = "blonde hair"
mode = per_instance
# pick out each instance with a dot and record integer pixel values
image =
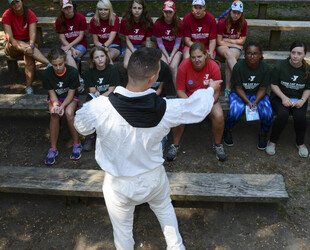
(104, 4)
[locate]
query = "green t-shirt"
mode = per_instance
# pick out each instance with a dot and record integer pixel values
(61, 84)
(290, 80)
(164, 75)
(250, 79)
(102, 79)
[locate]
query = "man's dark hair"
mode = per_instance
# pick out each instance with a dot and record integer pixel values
(143, 63)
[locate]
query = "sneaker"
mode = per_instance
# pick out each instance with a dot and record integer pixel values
(227, 92)
(172, 153)
(228, 139)
(303, 152)
(51, 155)
(270, 149)
(29, 90)
(219, 152)
(88, 144)
(262, 141)
(76, 151)
(82, 86)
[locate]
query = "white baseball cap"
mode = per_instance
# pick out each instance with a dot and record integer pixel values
(199, 2)
(66, 3)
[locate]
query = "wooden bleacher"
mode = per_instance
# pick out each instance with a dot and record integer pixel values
(184, 186)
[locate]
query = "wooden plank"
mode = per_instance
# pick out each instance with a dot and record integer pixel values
(262, 11)
(184, 186)
(274, 39)
(227, 187)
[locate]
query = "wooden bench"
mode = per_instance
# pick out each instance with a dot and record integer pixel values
(37, 103)
(262, 4)
(275, 27)
(184, 186)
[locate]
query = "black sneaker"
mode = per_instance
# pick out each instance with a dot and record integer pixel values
(227, 137)
(219, 152)
(262, 141)
(172, 153)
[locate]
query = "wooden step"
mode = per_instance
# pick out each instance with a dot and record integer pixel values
(184, 186)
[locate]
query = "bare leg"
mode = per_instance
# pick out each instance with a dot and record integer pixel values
(177, 133)
(126, 58)
(69, 112)
(113, 54)
(217, 121)
(174, 66)
(29, 69)
(54, 128)
(185, 54)
(231, 56)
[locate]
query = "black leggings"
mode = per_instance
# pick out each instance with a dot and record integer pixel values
(299, 116)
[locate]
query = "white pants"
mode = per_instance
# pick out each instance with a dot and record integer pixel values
(122, 194)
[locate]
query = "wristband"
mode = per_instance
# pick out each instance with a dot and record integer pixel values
(31, 46)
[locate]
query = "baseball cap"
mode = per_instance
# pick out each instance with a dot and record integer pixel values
(66, 3)
(11, 1)
(237, 5)
(169, 6)
(199, 2)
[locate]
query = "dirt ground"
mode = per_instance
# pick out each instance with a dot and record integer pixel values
(51, 222)
(47, 222)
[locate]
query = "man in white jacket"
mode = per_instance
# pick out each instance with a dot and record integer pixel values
(130, 125)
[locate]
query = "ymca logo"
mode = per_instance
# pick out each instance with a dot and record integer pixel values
(103, 30)
(251, 78)
(199, 29)
(136, 31)
(100, 80)
(168, 32)
(60, 84)
(294, 78)
(206, 80)
(71, 28)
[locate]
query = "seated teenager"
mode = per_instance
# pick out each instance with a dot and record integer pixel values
(19, 24)
(250, 79)
(196, 73)
(290, 85)
(61, 81)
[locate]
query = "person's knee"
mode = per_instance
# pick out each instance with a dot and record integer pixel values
(55, 117)
(69, 114)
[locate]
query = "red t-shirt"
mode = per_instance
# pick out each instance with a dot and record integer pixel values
(200, 30)
(104, 29)
(165, 31)
(73, 28)
(221, 30)
(137, 35)
(190, 79)
(19, 31)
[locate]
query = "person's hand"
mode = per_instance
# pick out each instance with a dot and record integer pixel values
(61, 111)
(66, 48)
(215, 84)
(74, 53)
(286, 102)
(298, 104)
(251, 105)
